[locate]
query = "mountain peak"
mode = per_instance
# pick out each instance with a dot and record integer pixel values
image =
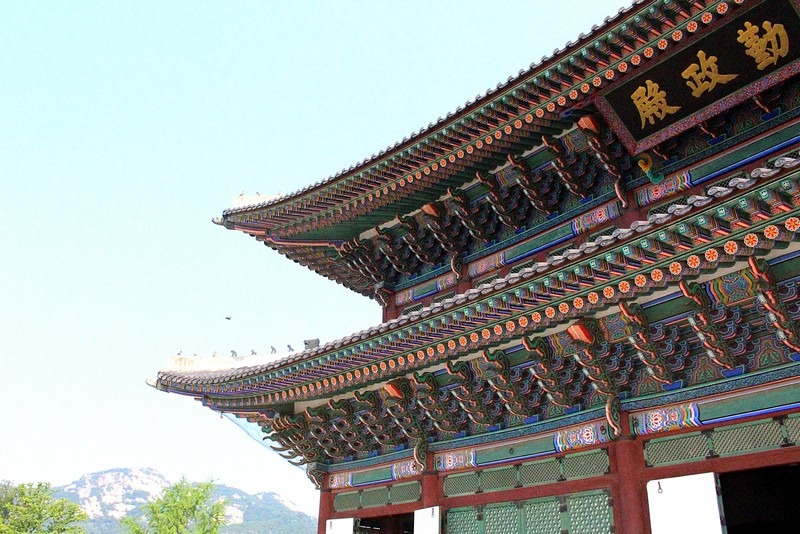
(108, 496)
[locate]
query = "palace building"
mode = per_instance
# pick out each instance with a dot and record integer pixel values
(590, 289)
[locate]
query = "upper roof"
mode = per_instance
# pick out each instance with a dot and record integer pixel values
(535, 102)
(312, 225)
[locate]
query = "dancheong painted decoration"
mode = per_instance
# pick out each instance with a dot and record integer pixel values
(591, 291)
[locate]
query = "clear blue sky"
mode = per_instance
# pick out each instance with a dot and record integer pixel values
(125, 127)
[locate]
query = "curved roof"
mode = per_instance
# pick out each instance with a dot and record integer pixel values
(272, 375)
(525, 106)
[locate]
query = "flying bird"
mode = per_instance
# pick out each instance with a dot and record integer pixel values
(227, 318)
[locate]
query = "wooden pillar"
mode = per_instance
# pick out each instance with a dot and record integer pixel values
(390, 310)
(631, 513)
(431, 487)
(325, 508)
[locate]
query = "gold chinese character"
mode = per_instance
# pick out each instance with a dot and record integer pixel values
(652, 102)
(765, 49)
(703, 77)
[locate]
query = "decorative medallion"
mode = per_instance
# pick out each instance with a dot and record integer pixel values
(340, 480)
(450, 461)
(406, 469)
(666, 419)
(578, 437)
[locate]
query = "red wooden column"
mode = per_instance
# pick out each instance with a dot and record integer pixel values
(431, 486)
(325, 506)
(631, 513)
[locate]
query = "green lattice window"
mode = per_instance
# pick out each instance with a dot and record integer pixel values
(463, 521)
(584, 465)
(758, 436)
(346, 501)
(411, 309)
(401, 493)
(542, 516)
(465, 484)
(503, 519)
(743, 438)
(678, 449)
(499, 479)
(792, 425)
(486, 280)
(378, 496)
(521, 266)
(572, 466)
(589, 514)
(580, 513)
(375, 497)
(442, 298)
(541, 472)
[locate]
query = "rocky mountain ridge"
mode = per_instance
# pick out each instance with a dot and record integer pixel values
(108, 496)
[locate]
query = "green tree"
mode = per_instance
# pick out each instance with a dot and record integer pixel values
(181, 509)
(31, 508)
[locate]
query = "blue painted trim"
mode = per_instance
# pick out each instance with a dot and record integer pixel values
(661, 300)
(790, 370)
(764, 411)
(521, 431)
(750, 159)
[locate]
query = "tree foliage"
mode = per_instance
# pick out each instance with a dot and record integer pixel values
(31, 508)
(181, 509)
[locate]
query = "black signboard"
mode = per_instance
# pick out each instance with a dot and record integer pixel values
(757, 48)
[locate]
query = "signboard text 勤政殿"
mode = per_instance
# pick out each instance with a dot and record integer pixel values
(752, 51)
